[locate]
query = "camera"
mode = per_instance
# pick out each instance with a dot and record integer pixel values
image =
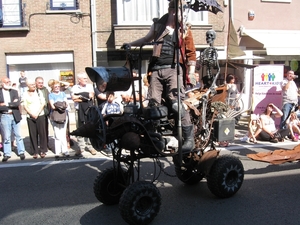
(295, 76)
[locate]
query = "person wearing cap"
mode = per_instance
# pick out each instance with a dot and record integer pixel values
(162, 66)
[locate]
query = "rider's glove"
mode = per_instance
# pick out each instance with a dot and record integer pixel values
(126, 46)
(192, 79)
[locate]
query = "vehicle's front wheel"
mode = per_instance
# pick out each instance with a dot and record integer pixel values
(140, 203)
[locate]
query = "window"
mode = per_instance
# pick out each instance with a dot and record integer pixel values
(141, 12)
(64, 4)
(11, 13)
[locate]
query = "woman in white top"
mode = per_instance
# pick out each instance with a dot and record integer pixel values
(269, 131)
(59, 128)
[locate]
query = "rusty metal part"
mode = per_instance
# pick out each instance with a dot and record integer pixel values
(207, 160)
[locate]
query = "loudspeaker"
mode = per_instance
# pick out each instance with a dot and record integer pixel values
(110, 78)
(224, 129)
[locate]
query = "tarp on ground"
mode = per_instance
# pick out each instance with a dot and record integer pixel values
(278, 156)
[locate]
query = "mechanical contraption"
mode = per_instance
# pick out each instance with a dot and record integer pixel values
(150, 133)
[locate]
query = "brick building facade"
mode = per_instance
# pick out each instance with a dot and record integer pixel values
(111, 34)
(51, 40)
(47, 41)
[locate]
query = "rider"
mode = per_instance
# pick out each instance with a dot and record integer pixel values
(163, 66)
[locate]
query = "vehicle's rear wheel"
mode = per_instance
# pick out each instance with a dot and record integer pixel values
(188, 176)
(109, 186)
(225, 176)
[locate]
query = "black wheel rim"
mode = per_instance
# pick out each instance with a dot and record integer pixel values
(144, 205)
(231, 178)
(114, 189)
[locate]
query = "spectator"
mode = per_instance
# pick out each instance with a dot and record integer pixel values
(269, 131)
(190, 89)
(22, 83)
(100, 97)
(145, 91)
(293, 125)
(34, 103)
(64, 87)
(297, 109)
(231, 99)
(164, 74)
(232, 94)
(127, 96)
(13, 141)
(82, 95)
(39, 82)
(289, 97)
(14, 86)
(110, 106)
(56, 95)
(10, 119)
(254, 128)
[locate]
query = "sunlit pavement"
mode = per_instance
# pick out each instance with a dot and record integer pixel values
(236, 145)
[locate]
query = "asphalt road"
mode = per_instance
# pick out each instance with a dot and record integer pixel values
(61, 192)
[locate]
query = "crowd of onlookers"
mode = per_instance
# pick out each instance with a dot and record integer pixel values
(49, 105)
(263, 127)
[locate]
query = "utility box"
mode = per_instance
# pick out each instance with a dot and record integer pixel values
(224, 129)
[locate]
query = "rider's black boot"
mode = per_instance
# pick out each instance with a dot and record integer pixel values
(188, 139)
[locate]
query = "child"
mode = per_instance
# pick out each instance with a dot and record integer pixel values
(293, 125)
(254, 128)
(110, 106)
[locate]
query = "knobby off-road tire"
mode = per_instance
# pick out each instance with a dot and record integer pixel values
(108, 188)
(226, 176)
(140, 203)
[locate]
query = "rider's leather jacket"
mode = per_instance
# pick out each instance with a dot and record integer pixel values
(186, 42)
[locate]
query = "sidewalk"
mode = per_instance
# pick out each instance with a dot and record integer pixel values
(240, 131)
(50, 154)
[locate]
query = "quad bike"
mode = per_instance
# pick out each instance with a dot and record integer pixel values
(149, 132)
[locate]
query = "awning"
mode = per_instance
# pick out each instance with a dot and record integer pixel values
(233, 48)
(247, 55)
(277, 42)
(235, 65)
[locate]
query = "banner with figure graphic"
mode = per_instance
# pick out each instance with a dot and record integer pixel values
(267, 87)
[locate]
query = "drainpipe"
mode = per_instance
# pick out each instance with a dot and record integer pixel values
(94, 37)
(231, 9)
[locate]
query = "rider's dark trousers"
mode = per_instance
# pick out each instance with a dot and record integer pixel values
(167, 78)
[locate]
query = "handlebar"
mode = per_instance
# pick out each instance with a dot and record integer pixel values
(126, 47)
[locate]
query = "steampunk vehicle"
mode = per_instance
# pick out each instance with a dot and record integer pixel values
(154, 132)
(149, 132)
